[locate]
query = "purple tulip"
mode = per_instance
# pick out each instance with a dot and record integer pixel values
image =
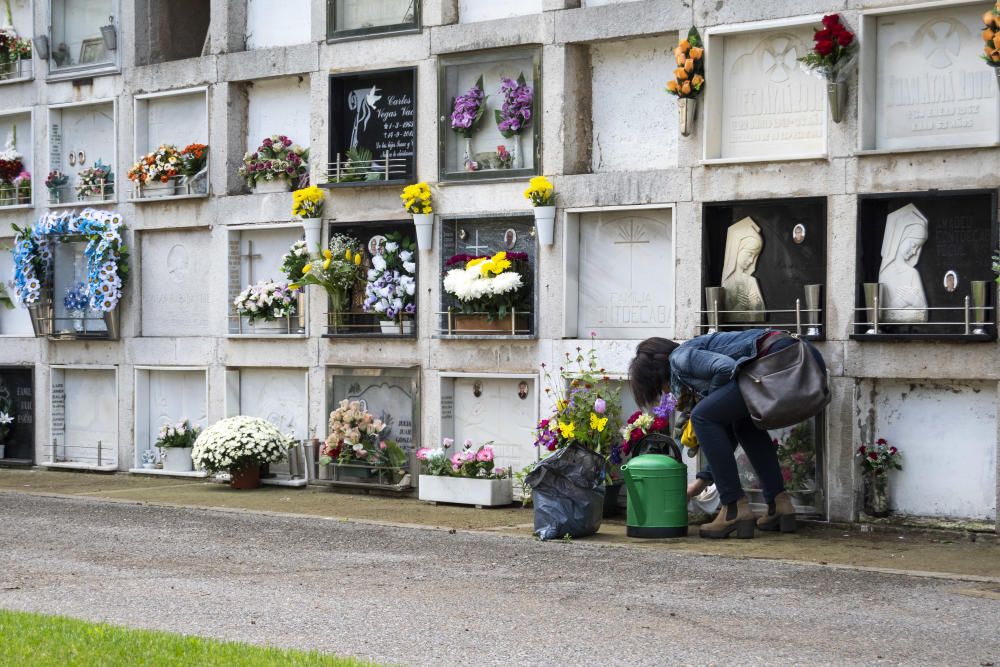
(600, 406)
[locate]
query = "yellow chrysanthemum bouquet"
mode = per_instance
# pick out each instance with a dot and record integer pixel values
(308, 202)
(337, 272)
(540, 191)
(417, 199)
(488, 285)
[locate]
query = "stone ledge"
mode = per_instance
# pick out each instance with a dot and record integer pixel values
(616, 21)
(269, 63)
(173, 75)
(497, 34)
(383, 52)
(626, 188)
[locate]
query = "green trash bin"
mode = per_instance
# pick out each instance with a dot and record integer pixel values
(657, 494)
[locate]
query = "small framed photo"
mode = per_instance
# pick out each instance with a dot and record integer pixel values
(92, 50)
(798, 234)
(950, 281)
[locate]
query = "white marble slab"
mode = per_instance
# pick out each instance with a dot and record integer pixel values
(278, 106)
(84, 412)
(497, 415)
(175, 299)
(168, 397)
(932, 88)
(768, 107)
(271, 23)
(89, 130)
(626, 274)
(277, 395)
(171, 119)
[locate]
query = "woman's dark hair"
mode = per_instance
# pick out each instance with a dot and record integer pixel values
(649, 372)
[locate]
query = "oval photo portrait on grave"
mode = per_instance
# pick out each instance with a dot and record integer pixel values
(950, 281)
(798, 233)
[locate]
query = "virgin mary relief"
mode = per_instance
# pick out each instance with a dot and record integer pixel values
(742, 293)
(905, 235)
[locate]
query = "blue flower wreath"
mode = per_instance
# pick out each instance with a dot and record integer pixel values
(107, 255)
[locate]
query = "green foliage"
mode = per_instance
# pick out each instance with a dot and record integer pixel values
(55, 641)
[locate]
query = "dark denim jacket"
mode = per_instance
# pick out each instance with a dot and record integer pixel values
(708, 362)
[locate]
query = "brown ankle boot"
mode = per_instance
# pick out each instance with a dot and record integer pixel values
(741, 521)
(780, 515)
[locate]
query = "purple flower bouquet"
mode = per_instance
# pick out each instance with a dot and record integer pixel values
(515, 114)
(468, 109)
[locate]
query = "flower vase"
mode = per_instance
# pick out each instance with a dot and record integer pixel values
(468, 153)
(836, 94)
(877, 495)
(247, 477)
(338, 308)
(178, 459)
(545, 224)
(517, 154)
(424, 223)
(313, 228)
(687, 111)
(55, 195)
(198, 183)
(78, 320)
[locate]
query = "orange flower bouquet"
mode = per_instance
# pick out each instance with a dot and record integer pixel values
(689, 77)
(991, 38)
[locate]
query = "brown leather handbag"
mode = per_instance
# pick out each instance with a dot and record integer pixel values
(785, 387)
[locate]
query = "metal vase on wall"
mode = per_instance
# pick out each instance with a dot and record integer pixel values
(41, 314)
(110, 35)
(715, 299)
(978, 289)
(873, 301)
(836, 93)
(113, 323)
(687, 110)
(814, 299)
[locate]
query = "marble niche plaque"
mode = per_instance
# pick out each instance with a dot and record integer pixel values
(278, 106)
(174, 297)
(769, 250)
(768, 108)
(179, 119)
(390, 394)
(84, 407)
(17, 399)
(13, 321)
(81, 131)
(275, 394)
(271, 24)
(498, 414)
(931, 86)
(626, 277)
(356, 17)
(254, 256)
(167, 397)
(911, 243)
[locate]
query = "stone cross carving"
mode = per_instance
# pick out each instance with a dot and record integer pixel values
(630, 234)
(250, 257)
(476, 247)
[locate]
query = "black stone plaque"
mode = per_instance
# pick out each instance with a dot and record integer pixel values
(793, 253)
(17, 398)
(961, 240)
(375, 114)
(371, 235)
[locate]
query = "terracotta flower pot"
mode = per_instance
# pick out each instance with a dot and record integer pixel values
(247, 477)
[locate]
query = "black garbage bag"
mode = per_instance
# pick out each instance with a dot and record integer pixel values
(567, 490)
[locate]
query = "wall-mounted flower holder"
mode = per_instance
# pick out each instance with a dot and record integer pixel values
(836, 93)
(545, 224)
(424, 224)
(110, 35)
(687, 111)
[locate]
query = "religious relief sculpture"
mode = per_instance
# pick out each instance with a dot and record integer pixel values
(742, 293)
(905, 235)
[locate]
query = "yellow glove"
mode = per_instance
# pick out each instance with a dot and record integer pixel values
(689, 439)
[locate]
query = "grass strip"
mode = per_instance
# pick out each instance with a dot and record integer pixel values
(42, 641)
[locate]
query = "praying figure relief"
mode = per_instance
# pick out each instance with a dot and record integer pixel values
(905, 235)
(743, 246)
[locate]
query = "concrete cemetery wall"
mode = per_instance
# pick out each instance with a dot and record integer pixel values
(610, 140)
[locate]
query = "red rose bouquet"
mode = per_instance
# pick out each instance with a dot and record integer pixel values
(880, 458)
(834, 51)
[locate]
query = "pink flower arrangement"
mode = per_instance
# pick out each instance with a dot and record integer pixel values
(469, 462)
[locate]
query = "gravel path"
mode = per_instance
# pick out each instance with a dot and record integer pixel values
(422, 597)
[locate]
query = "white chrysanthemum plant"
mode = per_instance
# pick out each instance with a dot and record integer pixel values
(239, 442)
(492, 286)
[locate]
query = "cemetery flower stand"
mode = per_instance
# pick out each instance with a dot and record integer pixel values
(424, 223)
(545, 223)
(465, 491)
(687, 111)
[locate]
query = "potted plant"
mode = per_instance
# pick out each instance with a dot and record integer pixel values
(355, 449)
(468, 477)
(157, 174)
(277, 165)
(55, 182)
(307, 204)
(14, 52)
(542, 195)
(991, 37)
(95, 183)
(586, 411)
(6, 419)
(514, 114)
(240, 446)
(417, 201)
(391, 285)
(337, 271)
(194, 167)
(689, 79)
(876, 462)
(11, 166)
(490, 291)
(176, 442)
(22, 187)
(267, 301)
(833, 55)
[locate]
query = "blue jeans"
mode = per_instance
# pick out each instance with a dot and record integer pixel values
(720, 420)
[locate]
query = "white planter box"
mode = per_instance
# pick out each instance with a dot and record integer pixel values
(269, 187)
(466, 491)
(178, 459)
